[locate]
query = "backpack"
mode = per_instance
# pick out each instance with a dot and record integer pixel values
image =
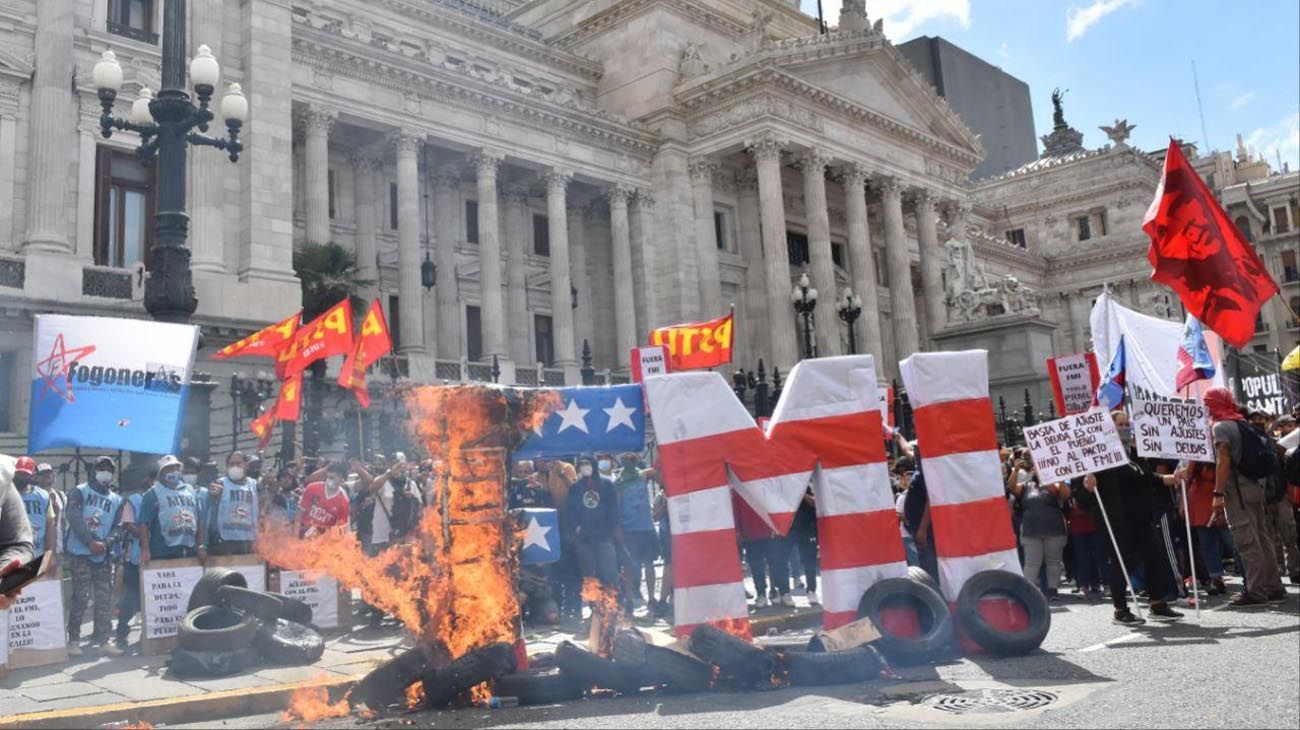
(1259, 460)
(406, 511)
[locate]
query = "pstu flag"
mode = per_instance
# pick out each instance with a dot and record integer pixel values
(696, 344)
(1194, 360)
(328, 335)
(264, 342)
(590, 420)
(541, 536)
(1197, 251)
(373, 342)
(108, 383)
(1110, 394)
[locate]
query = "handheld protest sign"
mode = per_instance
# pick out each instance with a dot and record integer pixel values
(1074, 381)
(1172, 428)
(36, 634)
(331, 603)
(1076, 445)
(165, 587)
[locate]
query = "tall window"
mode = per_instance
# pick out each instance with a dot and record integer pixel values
(473, 333)
(720, 229)
(545, 340)
(1016, 237)
(124, 207)
(7, 360)
(541, 236)
(1290, 272)
(1243, 225)
(133, 19)
(1282, 225)
(471, 222)
(329, 179)
(392, 206)
(395, 321)
(1083, 227)
(797, 245)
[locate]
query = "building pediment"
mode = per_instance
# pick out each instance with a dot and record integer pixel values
(858, 74)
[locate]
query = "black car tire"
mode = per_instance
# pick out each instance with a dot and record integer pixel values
(205, 591)
(537, 687)
(937, 630)
(216, 628)
(289, 642)
(264, 606)
(1016, 588)
(587, 670)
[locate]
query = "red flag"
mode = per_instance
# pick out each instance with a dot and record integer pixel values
(263, 425)
(696, 344)
(288, 405)
(328, 335)
(1197, 251)
(263, 343)
(373, 342)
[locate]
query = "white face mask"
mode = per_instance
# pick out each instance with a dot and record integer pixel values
(604, 464)
(190, 478)
(104, 478)
(585, 470)
(236, 473)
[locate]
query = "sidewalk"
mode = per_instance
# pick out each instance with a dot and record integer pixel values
(95, 689)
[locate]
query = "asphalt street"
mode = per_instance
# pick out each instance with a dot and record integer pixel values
(1230, 668)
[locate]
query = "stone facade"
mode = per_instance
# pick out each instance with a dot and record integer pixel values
(579, 172)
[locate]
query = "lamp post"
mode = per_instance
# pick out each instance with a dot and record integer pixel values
(167, 125)
(850, 308)
(428, 269)
(805, 301)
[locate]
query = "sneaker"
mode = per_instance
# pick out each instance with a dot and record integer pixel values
(1162, 612)
(1277, 596)
(74, 648)
(762, 602)
(1243, 600)
(1217, 588)
(787, 600)
(110, 649)
(813, 599)
(1126, 618)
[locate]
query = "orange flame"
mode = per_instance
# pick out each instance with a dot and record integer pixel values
(312, 704)
(480, 695)
(604, 606)
(415, 696)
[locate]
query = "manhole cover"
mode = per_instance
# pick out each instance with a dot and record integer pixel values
(990, 700)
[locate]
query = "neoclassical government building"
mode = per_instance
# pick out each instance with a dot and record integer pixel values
(578, 171)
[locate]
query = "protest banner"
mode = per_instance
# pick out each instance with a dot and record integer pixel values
(36, 634)
(886, 396)
(1075, 445)
(1151, 345)
(647, 361)
(1074, 381)
(331, 604)
(1256, 380)
(94, 385)
(1171, 428)
(696, 345)
(165, 587)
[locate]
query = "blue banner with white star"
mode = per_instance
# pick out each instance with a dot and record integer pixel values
(590, 420)
(541, 536)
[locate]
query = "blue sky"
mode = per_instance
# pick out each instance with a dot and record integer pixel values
(1132, 59)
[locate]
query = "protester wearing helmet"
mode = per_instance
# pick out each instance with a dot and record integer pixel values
(170, 521)
(15, 530)
(94, 509)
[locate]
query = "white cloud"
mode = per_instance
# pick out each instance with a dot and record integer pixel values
(904, 16)
(1078, 20)
(1004, 54)
(1241, 101)
(1280, 139)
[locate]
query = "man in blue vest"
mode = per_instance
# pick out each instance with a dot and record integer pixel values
(129, 604)
(232, 506)
(636, 517)
(36, 500)
(93, 511)
(170, 521)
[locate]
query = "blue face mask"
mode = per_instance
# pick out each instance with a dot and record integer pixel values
(171, 478)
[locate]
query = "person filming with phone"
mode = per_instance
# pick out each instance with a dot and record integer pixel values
(15, 530)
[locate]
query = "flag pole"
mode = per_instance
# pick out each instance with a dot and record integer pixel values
(1119, 556)
(1286, 304)
(1187, 520)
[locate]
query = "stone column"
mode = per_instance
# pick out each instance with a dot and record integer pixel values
(516, 225)
(447, 208)
(493, 308)
(410, 297)
(624, 304)
(767, 157)
(366, 215)
(8, 158)
(207, 171)
(557, 216)
(813, 163)
(317, 123)
(706, 245)
(863, 265)
(579, 276)
(643, 259)
(757, 329)
(1079, 310)
(902, 306)
(51, 126)
(927, 237)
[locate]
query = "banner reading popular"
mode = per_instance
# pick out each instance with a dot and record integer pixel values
(1257, 382)
(108, 383)
(1074, 381)
(1075, 445)
(1172, 428)
(696, 345)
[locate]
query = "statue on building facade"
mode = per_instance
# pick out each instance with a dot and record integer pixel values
(692, 63)
(973, 296)
(1119, 132)
(853, 16)
(1058, 114)
(962, 272)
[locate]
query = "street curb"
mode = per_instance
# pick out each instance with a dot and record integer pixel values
(177, 710)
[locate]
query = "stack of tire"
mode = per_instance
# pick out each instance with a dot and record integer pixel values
(229, 628)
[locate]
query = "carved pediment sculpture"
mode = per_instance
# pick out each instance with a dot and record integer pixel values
(692, 63)
(972, 295)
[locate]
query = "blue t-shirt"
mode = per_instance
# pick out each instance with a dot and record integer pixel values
(173, 516)
(37, 503)
(634, 512)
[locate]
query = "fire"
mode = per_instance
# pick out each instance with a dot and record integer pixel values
(415, 696)
(480, 695)
(453, 581)
(604, 615)
(737, 627)
(312, 704)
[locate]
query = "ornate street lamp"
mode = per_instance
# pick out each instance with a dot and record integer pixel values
(850, 308)
(805, 301)
(166, 125)
(428, 269)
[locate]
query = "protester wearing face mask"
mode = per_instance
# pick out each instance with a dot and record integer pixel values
(1126, 497)
(171, 523)
(128, 605)
(233, 503)
(37, 502)
(592, 508)
(93, 511)
(636, 518)
(324, 504)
